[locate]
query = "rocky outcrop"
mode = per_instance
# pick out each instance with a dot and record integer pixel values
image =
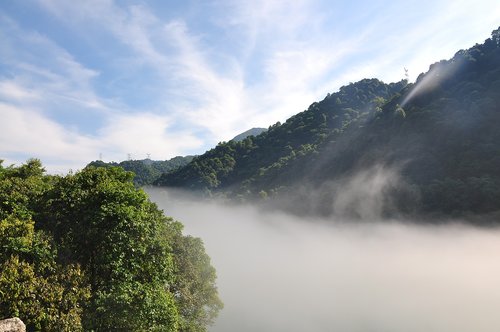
(12, 325)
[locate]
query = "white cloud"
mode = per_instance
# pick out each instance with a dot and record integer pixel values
(27, 131)
(141, 134)
(61, 148)
(13, 91)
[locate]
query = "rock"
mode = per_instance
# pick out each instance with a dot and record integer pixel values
(12, 325)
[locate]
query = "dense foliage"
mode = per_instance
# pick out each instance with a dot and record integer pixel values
(146, 171)
(89, 251)
(440, 134)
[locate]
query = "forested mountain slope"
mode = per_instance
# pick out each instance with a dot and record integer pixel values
(438, 138)
(232, 163)
(146, 171)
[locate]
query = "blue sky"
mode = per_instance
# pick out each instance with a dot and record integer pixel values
(80, 79)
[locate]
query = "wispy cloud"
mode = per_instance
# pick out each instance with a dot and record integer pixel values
(14, 91)
(202, 97)
(26, 130)
(46, 103)
(45, 76)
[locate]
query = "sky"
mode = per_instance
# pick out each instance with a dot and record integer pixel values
(104, 79)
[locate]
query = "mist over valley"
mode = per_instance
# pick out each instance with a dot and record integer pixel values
(280, 272)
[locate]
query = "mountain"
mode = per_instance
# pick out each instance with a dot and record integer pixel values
(231, 163)
(249, 132)
(432, 146)
(146, 170)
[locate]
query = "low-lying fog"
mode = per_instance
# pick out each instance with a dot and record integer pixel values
(279, 273)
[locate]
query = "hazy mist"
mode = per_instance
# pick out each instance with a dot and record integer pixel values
(277, 272)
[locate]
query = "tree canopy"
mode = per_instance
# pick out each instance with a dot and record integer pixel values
(89, 251)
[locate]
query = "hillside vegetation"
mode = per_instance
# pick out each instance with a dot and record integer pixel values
(146, 171)
(438, 138)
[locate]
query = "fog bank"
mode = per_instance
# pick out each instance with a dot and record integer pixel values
(280, 273)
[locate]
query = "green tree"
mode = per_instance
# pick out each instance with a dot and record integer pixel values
(90, 251)
(194, 287)
(101, 220)
(47, 295)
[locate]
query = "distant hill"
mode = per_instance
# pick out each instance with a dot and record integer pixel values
(250, 132)
(146, 171)
(439, 138)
